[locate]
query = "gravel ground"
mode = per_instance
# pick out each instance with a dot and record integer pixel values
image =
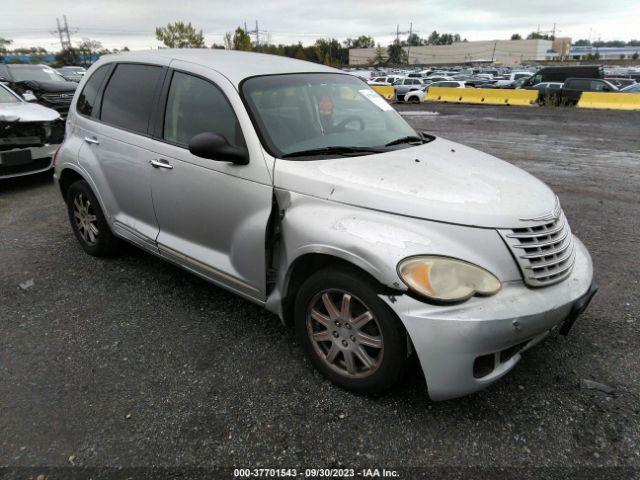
(133, 362)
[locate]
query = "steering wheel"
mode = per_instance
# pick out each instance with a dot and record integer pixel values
(348, 120)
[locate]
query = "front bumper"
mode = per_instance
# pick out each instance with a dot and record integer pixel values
(451, 340)
(41, 161)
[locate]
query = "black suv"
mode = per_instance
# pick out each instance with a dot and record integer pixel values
(49, 87)
(573, 88)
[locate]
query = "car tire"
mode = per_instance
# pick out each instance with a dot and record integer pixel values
(365, 355)
(88, 221)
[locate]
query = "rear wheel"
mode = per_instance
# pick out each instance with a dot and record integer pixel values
(88, 221)
(348, 332)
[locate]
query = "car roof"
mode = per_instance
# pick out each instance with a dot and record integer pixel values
(233, 64)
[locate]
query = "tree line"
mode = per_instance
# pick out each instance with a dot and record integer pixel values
(327, 51)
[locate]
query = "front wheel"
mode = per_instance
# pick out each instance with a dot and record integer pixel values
(348, 332)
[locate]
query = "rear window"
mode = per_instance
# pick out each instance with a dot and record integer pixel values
(87, 99)
(129, 95)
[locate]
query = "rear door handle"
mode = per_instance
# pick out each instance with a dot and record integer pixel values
(92, 140)
(161, 163)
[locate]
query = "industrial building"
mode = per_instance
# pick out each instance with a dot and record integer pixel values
(506, 52)
(604, 53)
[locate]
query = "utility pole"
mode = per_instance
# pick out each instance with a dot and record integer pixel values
(409, 44)
(398, 33)
(66, 29)
(257, 35)
(63, 33)
(60, 33)
(255, 32)
(493, 55)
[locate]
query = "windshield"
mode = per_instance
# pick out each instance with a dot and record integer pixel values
(300, 112)
(43, 74)
(6, 97)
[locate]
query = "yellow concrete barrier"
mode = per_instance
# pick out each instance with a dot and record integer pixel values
(387, 91)
(487, 96)
(614, 101)
(444, 94)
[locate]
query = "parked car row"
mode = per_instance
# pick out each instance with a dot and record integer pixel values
(557, 85)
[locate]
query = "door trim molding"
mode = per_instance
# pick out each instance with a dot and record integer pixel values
(196, 264)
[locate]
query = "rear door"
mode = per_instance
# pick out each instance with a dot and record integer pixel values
(212, 215)
(118, 147)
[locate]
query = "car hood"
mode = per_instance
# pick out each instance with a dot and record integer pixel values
(26, 112)
(440, 180)
(49, 87)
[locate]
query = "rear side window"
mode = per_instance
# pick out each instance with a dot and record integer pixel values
(578, 84)
(87, 99)
(196, 106)
(129, 96)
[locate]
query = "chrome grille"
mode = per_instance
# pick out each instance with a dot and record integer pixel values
(63, 98)
(544, 251)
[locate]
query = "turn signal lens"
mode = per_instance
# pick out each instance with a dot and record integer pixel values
(447, 279)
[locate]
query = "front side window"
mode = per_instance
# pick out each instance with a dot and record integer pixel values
(87, 99)
(129, 96)
(598, 86)
(197, 106)
(300, 112)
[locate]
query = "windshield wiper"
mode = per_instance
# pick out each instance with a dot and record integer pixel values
(333, 150)
(408, 139)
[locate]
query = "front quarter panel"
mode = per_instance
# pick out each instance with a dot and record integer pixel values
(377, 241)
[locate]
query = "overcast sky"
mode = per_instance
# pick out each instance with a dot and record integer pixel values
(117, 23)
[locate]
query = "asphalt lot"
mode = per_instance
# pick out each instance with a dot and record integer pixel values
(133, 362)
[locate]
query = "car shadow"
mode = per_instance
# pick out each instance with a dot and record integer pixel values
(26, 182)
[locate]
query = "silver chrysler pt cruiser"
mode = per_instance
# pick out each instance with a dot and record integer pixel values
(299, 188)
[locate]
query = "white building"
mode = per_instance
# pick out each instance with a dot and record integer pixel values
(506, 52)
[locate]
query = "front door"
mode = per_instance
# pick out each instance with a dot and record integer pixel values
(212, 214)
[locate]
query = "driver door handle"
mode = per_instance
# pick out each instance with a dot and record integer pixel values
(92, 140)
(161, 163)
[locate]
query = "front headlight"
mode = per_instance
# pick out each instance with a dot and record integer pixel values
(446, 279)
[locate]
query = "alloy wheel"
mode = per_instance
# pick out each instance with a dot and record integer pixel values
(344, 333)
(86, 219)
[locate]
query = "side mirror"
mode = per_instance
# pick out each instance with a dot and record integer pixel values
(215, 146)
(29, 97)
